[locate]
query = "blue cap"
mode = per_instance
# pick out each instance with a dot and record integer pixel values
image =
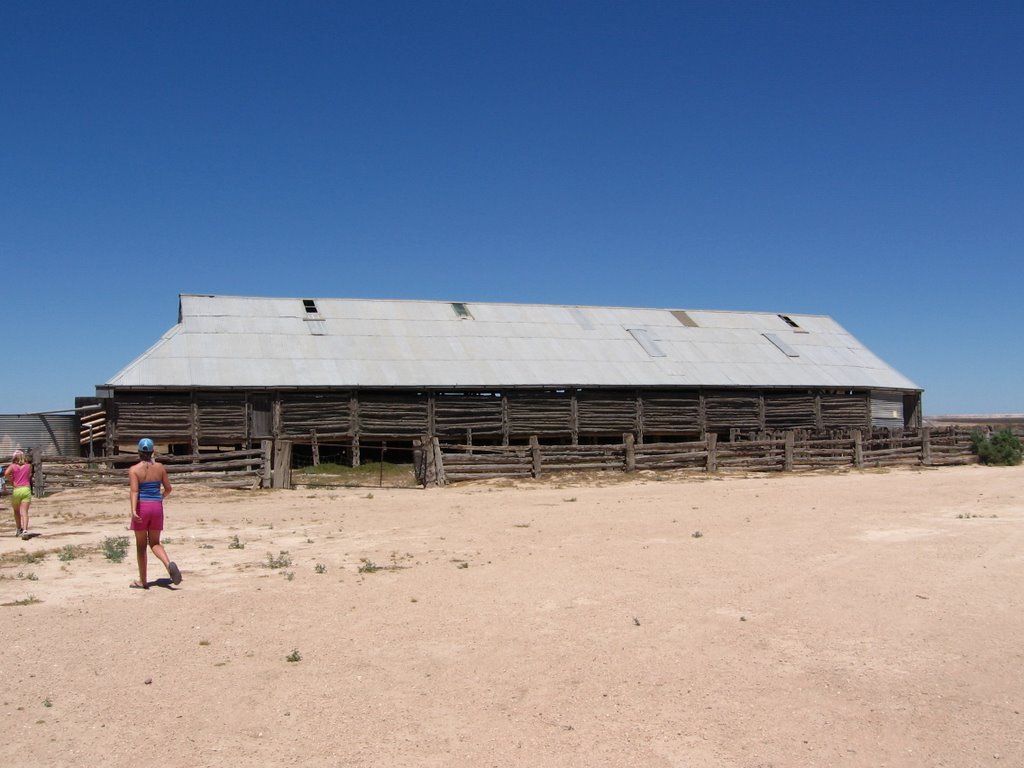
(145, 445)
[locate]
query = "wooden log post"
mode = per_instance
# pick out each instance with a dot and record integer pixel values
(315, 446)
(712, 441)
(267, 478)
(439, 476)
(630, 444)
(355, 426)
(790, 448)
(535, 455)
(283, 464)
(506, 420)
(574, 420)
(429, 462)
(38, 473)
(639, 418)
(194, 428)
(926, 445)
(858, 449)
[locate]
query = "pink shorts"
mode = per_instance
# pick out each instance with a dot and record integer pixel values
(152, 514)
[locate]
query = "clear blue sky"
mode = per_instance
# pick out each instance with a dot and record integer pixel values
(863, 160)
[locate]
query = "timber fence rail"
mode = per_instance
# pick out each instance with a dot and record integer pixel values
(231, 469)
(778, 452)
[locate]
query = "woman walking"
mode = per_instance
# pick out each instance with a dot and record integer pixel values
(149, 487)
(19, 475)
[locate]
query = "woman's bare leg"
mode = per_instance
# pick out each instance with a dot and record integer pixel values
(24, 513)
(158, 549)
(141, 544)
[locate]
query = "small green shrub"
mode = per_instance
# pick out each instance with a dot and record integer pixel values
(235, 543)
(294, 656)
(115, 548)
(367, 566)
(283, 560)
(320, 568)
(69, 552)
(1003, 448)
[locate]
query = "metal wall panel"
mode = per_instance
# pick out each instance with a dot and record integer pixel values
(887, 409)
(47, 435)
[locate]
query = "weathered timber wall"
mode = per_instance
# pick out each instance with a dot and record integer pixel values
(221, 419)
(791, 451)
(231, 469)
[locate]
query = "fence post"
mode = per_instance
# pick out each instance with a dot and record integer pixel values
(435, 446)
(926, 445)
(790, 447)
(283, 464)
(535, 454)
(38, 474)
(711, 438)
(630, 443)
(315, 445)
(267, 447)
(858, 449)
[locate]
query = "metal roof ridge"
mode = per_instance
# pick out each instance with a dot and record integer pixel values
(499, 304)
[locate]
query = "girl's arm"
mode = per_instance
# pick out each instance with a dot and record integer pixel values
(133, 484)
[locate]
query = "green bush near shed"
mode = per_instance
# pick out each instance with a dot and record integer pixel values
(1002, 448)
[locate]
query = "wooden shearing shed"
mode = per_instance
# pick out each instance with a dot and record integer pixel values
(356, 374)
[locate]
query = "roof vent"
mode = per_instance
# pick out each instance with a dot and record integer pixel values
(789, 321)
(461, 310)
(310, 306)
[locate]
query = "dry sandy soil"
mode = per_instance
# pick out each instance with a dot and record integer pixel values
(861, 619)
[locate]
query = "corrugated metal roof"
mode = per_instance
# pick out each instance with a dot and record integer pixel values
(234, 341)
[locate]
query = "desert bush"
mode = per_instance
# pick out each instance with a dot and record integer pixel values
(283, 560)
(115, 548)
(1002, 448)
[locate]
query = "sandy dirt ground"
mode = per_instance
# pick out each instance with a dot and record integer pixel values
(860, 619)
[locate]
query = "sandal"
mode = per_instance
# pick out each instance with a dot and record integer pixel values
(172, 569)
(138, 585)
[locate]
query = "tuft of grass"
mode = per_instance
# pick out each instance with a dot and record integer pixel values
(22, 576)
(294, 656)
(320, 568)
(114, 548)
(30, 600)
(22, 557)
(696, 534)
(47, 703)
(288, 575)
(283, 560)
(235, 543)
(69, 552)
(367, 566)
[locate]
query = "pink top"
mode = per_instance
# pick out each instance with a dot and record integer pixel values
(21, 475)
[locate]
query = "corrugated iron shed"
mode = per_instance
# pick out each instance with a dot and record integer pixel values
(229, 341)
